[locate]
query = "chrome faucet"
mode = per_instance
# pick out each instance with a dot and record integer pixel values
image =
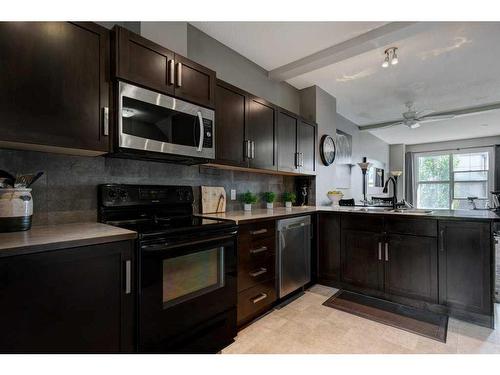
(394, 197)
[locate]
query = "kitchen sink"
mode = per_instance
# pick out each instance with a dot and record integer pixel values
(373, 209)
(411, 211)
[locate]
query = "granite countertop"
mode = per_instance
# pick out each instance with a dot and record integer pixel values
(53, 237)
(259, 214)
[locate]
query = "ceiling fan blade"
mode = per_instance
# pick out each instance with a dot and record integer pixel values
(424, 112)
(381, 125)
(423, 120)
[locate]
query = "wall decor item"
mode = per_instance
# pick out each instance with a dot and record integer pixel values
(327, 150)
(213, 199)
(343, 148)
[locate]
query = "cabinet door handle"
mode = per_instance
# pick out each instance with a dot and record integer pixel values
(380, 251)
(253, 149)
(386, 251)
(171, 71)
(261, 297)
(441, 240)
(258, 231)
(301, 159)
(261, 271)
(179, 74)
(128, 276)
(259, 250)
(246, 147)
(105, 120)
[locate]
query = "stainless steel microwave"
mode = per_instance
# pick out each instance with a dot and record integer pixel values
(161, 126)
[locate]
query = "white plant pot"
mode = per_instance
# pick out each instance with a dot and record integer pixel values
(269, 206)
(247, 207)
(288, 204)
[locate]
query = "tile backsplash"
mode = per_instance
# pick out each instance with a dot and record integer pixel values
(67, 192)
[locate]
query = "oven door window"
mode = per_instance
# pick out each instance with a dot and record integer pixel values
(159, 123)
(192, 275)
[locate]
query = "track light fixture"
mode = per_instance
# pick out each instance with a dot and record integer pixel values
(390, 56)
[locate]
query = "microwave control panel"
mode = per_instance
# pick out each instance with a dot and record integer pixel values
(208, 139)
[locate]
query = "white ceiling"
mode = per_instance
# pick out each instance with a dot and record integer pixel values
(446, 66)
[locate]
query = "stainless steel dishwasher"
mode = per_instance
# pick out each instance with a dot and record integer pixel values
(294, 253)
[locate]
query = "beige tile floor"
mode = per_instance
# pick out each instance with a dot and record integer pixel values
(306, 326)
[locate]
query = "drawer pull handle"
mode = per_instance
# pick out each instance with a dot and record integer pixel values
(259, 250)
(261, 297)
(259, 231)
(261, 271)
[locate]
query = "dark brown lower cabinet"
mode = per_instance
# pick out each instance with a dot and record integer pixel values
(465, 261)
(68, 301)
(256, 270)
(443, 265)
(360, 261)
(328, 248)
(411, 267)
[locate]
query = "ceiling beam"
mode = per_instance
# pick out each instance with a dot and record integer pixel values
(376, 38)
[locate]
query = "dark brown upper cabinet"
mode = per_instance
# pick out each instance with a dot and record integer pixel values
(230, 118)
(287, 142)
(306, 147)
(194, 82)
(261, 133)
(296, 144)
(55, 86)
(145, 63)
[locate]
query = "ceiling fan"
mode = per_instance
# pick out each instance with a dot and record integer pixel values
(413, 119)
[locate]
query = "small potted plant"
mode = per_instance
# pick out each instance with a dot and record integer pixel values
(289, 198)
(269, 197)
(248, 199)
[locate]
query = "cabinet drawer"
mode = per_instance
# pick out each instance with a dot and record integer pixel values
(365, 222)
(414, 226)
(255, 231)
(255, 272)
(250, 252)
(255, 301)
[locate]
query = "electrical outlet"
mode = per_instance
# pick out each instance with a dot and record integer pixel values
(233, 194)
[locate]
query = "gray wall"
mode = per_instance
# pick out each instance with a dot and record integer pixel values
(67, 192)
(319, 106)
(363, 144)
(132, 26)
(238, 70)
(171, 35)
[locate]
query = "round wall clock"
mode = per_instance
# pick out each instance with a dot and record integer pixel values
(327, 149)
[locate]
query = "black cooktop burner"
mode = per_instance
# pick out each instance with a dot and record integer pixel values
(171, 225)
(154, 211)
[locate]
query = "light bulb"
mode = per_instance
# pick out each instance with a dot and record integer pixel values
(385, 64)
(394, 59)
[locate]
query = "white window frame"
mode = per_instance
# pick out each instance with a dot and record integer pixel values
(451, 180)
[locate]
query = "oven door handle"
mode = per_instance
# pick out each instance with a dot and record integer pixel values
(168, 246)
(202, 133)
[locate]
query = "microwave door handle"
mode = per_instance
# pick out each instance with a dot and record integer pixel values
(202, 133)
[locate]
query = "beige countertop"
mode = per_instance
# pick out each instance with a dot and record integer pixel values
(260, 214)
(53, 237)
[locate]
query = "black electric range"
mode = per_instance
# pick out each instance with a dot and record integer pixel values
(186, 268)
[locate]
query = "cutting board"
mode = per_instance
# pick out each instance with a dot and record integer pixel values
(213, 199)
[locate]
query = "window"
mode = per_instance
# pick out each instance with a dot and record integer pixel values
(444, 180)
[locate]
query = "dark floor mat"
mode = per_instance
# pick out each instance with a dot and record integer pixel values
(424, 323)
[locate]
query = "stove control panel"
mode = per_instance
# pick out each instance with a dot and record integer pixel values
(115, 195)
